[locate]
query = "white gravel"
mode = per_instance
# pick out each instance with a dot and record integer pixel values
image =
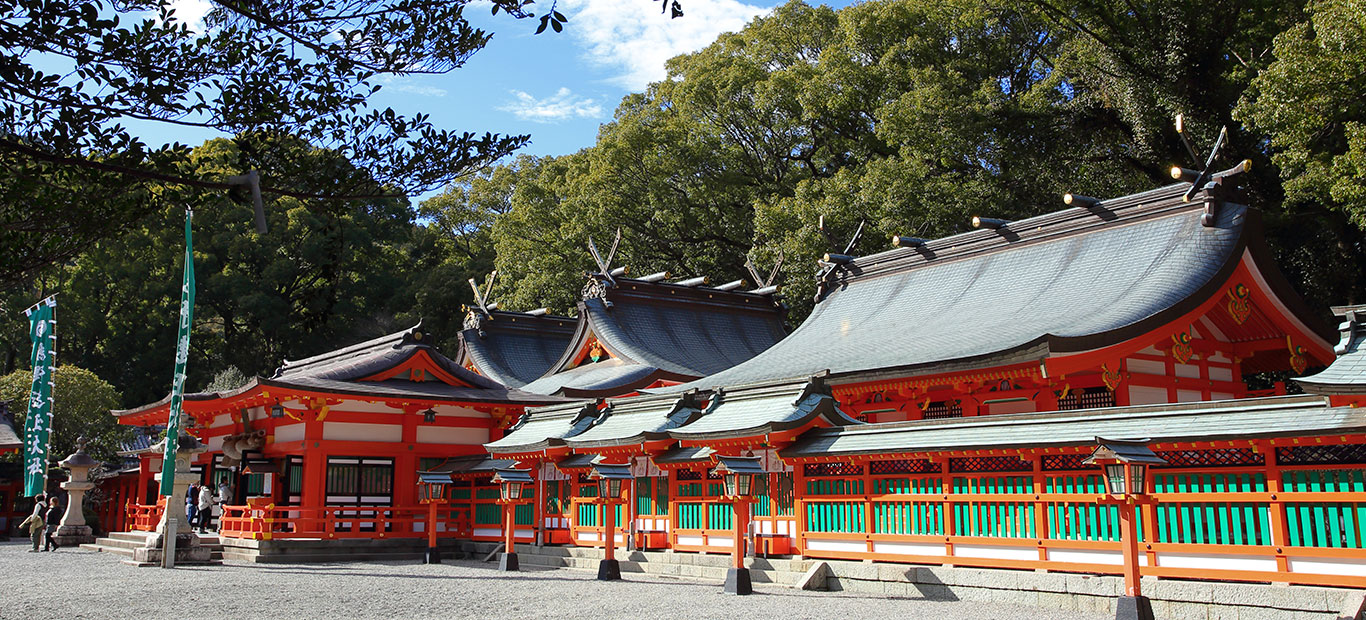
(76, 583)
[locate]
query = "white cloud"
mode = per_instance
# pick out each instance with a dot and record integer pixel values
(562, 105)
(636, 38)
(192, 12)
(404, 84)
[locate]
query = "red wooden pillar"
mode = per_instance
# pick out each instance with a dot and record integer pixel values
(510, 518)
(1129, 543)
(741, 508)
(609, 529)
(1280, 531)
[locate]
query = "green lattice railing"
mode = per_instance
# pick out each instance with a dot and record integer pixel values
(1340, 525)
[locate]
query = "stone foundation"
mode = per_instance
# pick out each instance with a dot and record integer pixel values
(187, 550)
(72, 535)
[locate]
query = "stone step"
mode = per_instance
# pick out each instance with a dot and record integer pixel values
(714, 567)
(125, 550)
(717, 573)
(131, 543)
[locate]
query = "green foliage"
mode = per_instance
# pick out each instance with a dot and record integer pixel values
(77, 70)
(1312, 103)
(226, 380)
(327, 274)
(1310, 106)
(81, 402)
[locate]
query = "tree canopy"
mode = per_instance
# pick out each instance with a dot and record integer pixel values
(913, 117)
(80, 408)
(76, 72)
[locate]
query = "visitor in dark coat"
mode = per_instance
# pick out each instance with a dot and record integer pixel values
(54, 518)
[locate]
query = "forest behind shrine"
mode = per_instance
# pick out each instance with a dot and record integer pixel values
(909, 115)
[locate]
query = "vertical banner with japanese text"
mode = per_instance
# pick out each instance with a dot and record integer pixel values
(182, 355)
(42, 329)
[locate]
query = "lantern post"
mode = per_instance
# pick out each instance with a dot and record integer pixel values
(511, 482)
(738, 473)
(1125, 463)
(432, 489)
(610, 478)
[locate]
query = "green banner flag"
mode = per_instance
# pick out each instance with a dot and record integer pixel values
(42, 331)
(182, 355)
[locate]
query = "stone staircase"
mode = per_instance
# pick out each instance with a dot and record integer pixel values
(123, 543)
(778, 571)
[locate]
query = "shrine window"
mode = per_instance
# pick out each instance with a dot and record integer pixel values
(944, 409)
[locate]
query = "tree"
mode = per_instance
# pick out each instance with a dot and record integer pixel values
(226, 380)
(81, 402)
(74, 71)
(310, 284)
(1311, 104)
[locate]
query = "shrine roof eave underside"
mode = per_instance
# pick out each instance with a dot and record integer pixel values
(425, 392)
(1279, 416)
(1067, 282)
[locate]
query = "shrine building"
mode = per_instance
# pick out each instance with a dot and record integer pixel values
(937, 406)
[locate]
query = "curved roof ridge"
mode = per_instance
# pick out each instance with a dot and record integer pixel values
(374, 343)
(1081, 278)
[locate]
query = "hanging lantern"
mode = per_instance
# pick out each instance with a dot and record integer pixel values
(429, 416)
(738, 473)
(512, 482)
(610, 478)
(1125, 464)
(432, 486)
(278, 411)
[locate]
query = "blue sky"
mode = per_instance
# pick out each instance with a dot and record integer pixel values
(556, 87)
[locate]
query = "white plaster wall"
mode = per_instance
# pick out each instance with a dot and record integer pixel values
(289, 432)
(348, 431)
(1144, 395)
(452, 435)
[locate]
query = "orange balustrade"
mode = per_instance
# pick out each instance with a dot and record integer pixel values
(144, 518)
(334, 522)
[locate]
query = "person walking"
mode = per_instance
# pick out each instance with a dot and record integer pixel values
(205, 508)
(36, 527)
(54, 518)
(192, 503)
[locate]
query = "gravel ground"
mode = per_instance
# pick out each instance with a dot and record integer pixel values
(76, 583)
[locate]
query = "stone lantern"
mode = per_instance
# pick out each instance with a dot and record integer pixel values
(73, 530)
(184, 545)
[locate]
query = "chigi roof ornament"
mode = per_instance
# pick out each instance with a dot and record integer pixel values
(1205, 179)
(475, 317)
(606, 276)
(765, 286)
(834, 259)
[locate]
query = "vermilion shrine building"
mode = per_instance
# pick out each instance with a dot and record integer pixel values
(935, 407)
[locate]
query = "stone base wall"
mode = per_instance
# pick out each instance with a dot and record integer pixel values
(1171, 599)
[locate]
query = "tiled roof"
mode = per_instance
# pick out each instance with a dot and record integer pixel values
(346, 370)
(8, 438)
(635, 420)
(608, 377)
(515, 348)
(756, 410)
(679, 455)
(473, 464)
(654, 330)
(369, 358)
(1077, 279)
(545, 427)
(1278, 416)
(1346, 375)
